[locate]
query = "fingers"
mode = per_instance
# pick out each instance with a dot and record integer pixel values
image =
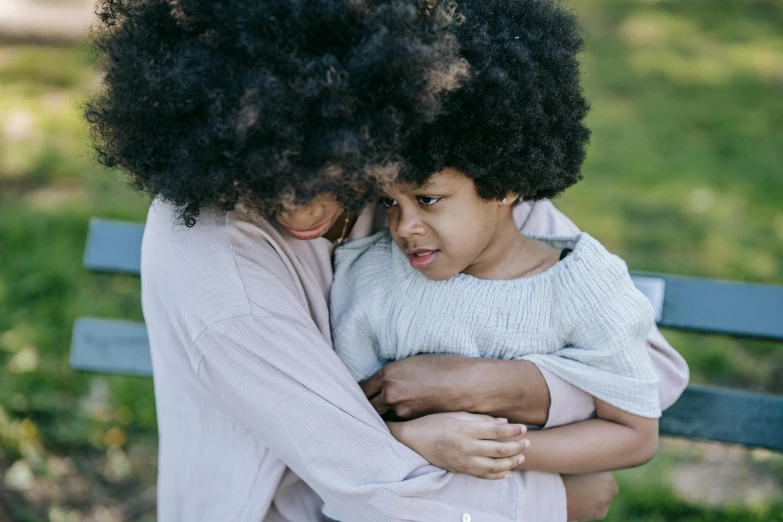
(379, 404)
(495, 430)
(372, 385)
(488, 468)
(498, 450)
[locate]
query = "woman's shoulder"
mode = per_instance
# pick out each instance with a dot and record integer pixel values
(223, 258)
(174, 253)
(542, 217)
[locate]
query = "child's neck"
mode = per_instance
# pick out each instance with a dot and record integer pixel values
(512, 255)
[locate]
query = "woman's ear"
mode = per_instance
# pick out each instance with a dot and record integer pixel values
(510, 199)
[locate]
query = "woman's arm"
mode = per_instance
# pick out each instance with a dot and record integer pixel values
(424, 384)
(516, 390)
(279, 379)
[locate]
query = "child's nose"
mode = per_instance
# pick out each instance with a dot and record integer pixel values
(409, 224)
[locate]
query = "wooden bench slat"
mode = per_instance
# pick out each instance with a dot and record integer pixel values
(109, 346)
(723, 415)
(654, 288)
(114, 246)
(722, 307)
(703, 412)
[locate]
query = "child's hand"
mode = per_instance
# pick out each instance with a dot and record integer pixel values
(464, 443)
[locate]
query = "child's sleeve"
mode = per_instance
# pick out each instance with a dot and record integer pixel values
(569, 404)
(355, 295)
(607, 321)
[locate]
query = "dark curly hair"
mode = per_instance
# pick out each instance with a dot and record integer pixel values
(517, 125)
(267, 102)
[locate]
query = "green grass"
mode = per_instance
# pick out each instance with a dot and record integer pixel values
(684, 175)
(685, 170)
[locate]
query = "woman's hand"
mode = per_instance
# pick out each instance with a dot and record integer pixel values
(464, 443)
(435, 383)
(421, 384)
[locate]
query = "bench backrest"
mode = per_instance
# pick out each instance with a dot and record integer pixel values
(684, 303)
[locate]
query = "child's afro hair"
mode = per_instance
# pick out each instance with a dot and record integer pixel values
(517, 125)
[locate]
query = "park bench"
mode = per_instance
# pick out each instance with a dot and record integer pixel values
(683, 303)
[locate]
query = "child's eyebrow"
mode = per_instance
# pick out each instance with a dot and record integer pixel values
(429, 185)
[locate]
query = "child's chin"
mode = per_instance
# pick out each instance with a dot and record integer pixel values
(433, 274)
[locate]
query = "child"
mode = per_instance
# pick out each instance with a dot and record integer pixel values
(463, 280)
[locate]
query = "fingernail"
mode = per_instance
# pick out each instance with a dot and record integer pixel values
(507, 476)
(501, 420)
(527, 444)
(521, 459)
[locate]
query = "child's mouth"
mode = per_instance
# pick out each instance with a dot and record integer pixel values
(423, 259)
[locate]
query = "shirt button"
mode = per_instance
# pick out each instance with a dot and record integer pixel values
(466, 517)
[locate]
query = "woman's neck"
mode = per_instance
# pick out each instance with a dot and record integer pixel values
(342, 227)
(512, 255)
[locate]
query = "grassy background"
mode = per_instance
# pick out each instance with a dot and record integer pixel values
(684, 175)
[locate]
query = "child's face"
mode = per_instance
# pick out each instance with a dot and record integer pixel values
(443, 226)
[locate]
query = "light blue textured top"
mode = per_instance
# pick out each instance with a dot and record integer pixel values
(582, 319)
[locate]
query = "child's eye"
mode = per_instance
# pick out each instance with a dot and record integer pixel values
(388, 202)
(428, 200)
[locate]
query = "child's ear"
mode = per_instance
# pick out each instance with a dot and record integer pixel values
(510, 199)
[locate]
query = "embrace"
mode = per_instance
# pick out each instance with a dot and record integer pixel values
(361, 304)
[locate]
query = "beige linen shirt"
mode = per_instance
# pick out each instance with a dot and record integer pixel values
(259, 419)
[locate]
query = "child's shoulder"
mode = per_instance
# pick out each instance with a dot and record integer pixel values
(594, 281)
(371, 254)
(594, 258)
(362, 269)
(377, 245)
(586, 256)
(589, 269)
(381, 239)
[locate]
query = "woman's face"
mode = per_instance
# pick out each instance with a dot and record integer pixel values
(443, 226)
(312, 220)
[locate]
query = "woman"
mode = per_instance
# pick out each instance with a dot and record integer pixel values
(263, 128)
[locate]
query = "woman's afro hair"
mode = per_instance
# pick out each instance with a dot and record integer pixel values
(517, 125)
(267, 102)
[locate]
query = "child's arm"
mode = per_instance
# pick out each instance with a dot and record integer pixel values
(606, 321)
(614, 440)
